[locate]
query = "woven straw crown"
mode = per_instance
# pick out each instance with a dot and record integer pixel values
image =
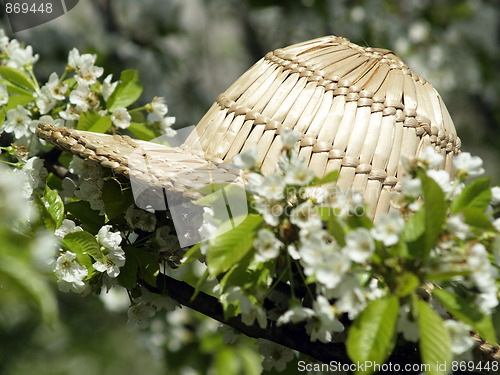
(359, 110)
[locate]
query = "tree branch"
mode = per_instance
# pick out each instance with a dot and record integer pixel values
(291, 336)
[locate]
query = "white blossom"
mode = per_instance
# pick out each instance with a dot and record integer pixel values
(113, 260)
(359, 245)
(271, 212)
(267, 246)
(293, 252)
(442, 178)
(496, 224)
(295, 315)
(275, 355)
(289, 137)
(90, 182)
(458, 227)
(461, 340)
(57, 90)
(44, 101)
(430, 157)
(483, 273)
(306, 216)
(487, 301)
(115, 299)
(166, 126)
(272, 187)
(388, 228)
(208, 228)
(19, 57)
(495, 195)
(407, 326)
(4, 94)
(326, 322)
(471, 165)
(13, 203)
(121, 118)
(84, 65)
(108, 87)
(19, 122)
(251, 311)
(254, 182)
(316, 194)
(139, 315)
(46, 119)
(412, 187)
(35, 173)
(352, 302)
(298, 175)
(67, 226)
(158, 110)
(110, 240)
(70, 274)
(246, 160)
(4, 40)
(83, 98)
(140, 219)
(332, 270)
(313, 250)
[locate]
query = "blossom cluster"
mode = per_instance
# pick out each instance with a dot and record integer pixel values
(317, 242)
(76, 99)
(90, 250)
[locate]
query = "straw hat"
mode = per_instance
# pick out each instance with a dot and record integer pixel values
(358, 109)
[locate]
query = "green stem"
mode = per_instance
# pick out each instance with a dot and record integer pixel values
(304, 281)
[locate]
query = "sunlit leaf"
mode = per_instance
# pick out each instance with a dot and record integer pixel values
(232, 245)
(477, 194)
(435, 345)
(127, 91)
(468, 313)
(17, 77)
(372, 335)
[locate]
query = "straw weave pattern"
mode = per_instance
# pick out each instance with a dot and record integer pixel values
(358, 109)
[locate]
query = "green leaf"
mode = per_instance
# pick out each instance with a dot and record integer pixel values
(83, 243)
(333, 224)
(19, 275)
(90, 219)
(21, 100)
(138, 262)
(192, 254)
(232, 244)
(468, 313)
(116, 200)
(2, 117)
(476, 217)
(17, 77)
(226, 362)
(55, 206)
(329, 177)
(477, 194)
(435, 345)
(415, 226)
(435, 211)
(141, 131)
(101, 125)
(88, 119)
(15, 90)
(127, 91)
(441, 276)
(372, 335)
(406, 283)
